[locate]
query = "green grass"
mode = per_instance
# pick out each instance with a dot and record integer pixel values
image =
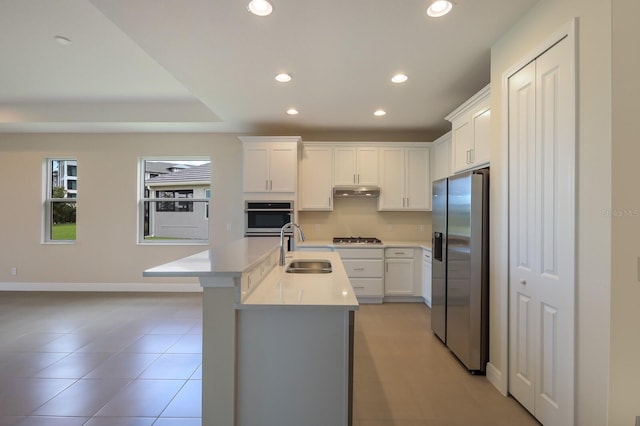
(64, 232)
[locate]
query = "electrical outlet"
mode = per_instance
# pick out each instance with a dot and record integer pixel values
(421, 228)
(14, 271)
(390, 228)
(317, 226)
(228, 227)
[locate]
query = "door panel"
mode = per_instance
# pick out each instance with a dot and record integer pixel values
(542, 235)
(522, 234)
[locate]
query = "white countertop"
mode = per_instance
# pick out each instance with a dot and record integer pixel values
(280, 289)
(276, 289)
(228, 260)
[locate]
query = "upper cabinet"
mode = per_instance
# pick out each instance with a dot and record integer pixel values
(270, 163)
(470, 132)
(405, 178)
(441, 157)
(316, 168)
(355, 166)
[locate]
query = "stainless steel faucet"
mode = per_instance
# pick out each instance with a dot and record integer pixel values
(291, 226)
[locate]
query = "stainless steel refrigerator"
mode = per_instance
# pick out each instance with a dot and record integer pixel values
(460, 274)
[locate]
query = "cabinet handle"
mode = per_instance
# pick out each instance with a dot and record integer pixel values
(472, 155)
(358, 269)
(398, 252)
(468, 151)
(270, 185)
(523, 282)
(358, 286)
(266, 185)
(358, 178)
(354, 178)
(407, 202)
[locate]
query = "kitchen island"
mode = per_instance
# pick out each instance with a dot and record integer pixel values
(277, 346)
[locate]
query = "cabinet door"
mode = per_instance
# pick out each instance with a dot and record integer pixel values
(367, 166)
(461, 144)
(399, 277)
(426, 277)
(345, 166)
(256, 169)
(418, 179)
(481, 136)
(282, 169)
(441, 158)
(392, 179)
(315, 178)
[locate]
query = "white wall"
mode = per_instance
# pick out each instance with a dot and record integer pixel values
(106, 249)
(593, 185)
(624, 398)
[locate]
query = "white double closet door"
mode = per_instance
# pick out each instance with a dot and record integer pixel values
(542, 235)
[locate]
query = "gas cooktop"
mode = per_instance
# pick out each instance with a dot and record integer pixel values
(356, 240)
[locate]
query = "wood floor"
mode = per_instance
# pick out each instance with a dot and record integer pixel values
(134, 359)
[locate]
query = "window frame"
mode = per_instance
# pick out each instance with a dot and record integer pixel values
(142, 200)
(48, 200)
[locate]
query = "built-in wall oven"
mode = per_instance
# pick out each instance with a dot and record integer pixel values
(265, 218)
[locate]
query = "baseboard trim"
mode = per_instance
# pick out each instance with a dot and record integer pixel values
(495, 378)
(103, 287)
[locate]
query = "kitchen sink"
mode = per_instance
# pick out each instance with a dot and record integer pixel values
(309, 266)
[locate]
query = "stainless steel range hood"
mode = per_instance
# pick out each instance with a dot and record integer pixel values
(356, 191)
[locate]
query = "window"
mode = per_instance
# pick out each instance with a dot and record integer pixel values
(174, 206)
(177, 206)
(60, 200)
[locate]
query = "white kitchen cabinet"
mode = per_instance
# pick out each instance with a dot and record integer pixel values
(470, 132)
(355, 165)
(365, 269)
(270, 164)
(316, 185)
(405, 179)
(441, 157)
(399, 278)
(426, 276)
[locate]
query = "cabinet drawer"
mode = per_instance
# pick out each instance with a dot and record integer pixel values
(402, 252)
(360, 253)
(363, 267)
(367, 286)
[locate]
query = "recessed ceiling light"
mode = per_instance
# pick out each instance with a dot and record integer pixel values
(379, 113)
(292, 111)
(260, 7)
(439, 8)
(399, 78)
(283, 78)
(62, 40)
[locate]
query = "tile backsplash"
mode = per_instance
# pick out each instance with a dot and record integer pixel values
(360, 217)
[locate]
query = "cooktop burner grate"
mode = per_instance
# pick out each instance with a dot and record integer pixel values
(356, 240)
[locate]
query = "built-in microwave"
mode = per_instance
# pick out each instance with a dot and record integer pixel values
(266, 217)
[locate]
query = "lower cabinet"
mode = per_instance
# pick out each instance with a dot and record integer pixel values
(426, 276)
(365, 269)
(399, 272)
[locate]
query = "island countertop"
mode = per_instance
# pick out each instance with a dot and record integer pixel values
(230, 260)
(232, 265)
(282, 289)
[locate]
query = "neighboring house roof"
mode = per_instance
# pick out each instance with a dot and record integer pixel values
(192, 175)
(161, 167)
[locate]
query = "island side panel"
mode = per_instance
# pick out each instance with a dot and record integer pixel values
(218, 356)
(293, 367)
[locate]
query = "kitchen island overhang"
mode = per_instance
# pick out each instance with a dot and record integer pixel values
(277, 346)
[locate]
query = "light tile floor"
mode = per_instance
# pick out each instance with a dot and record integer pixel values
(134, 359)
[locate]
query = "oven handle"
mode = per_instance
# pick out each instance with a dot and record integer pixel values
(268, 210)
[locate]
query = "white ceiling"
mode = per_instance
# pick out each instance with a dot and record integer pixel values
(209, 65)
